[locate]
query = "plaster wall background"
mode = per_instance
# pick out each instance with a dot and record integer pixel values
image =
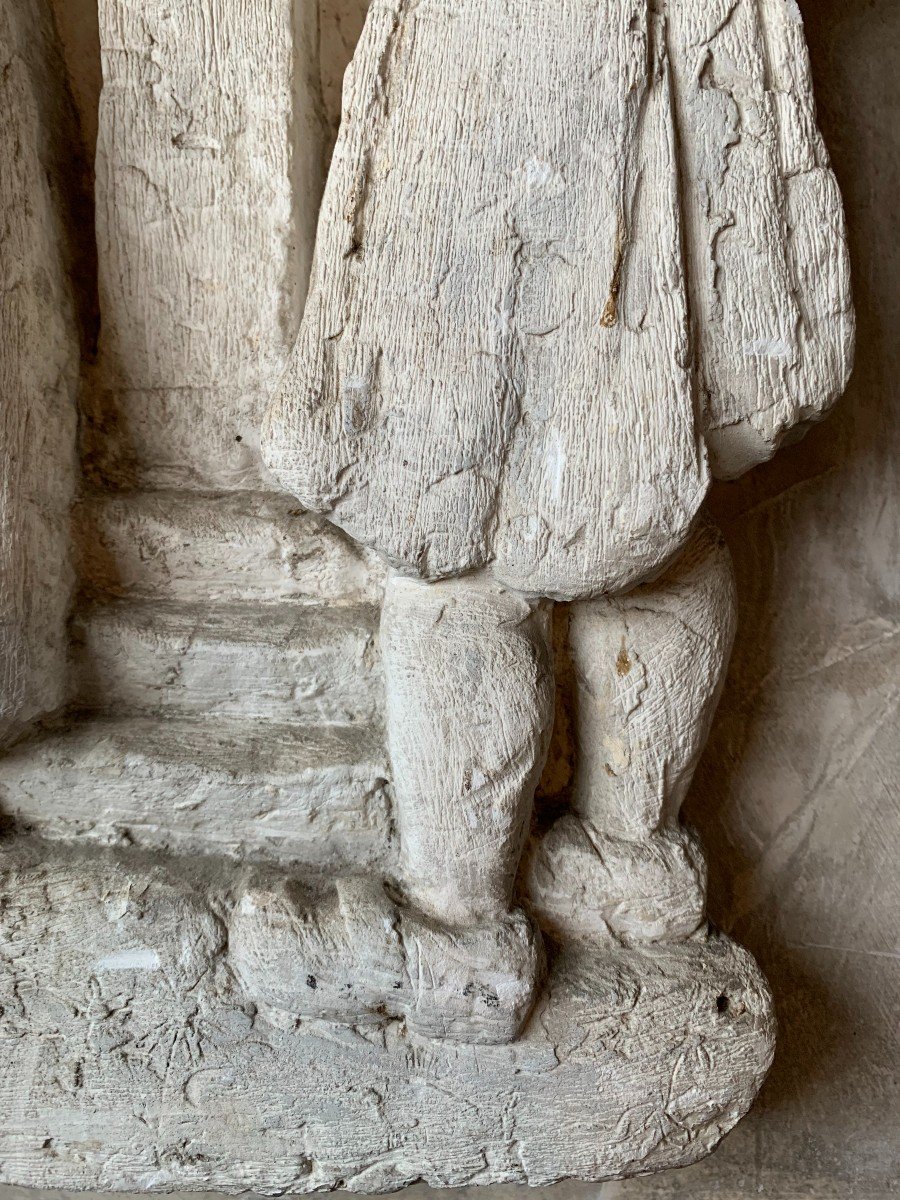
(797, 798)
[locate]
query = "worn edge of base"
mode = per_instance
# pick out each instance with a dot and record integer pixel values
(130, 1060)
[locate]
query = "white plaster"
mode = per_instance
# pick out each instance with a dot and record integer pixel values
(768, 348)
(140, 959)
(494, 392)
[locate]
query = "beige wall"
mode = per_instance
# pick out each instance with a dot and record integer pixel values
(799, 794)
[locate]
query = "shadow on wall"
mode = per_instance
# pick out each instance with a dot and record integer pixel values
(796, 795)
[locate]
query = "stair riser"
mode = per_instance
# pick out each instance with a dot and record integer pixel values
(323, 819)
(119, 668)
(174, 547)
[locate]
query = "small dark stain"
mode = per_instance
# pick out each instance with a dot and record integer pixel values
(610, 314)
(398, 985)
(610, 772)
(488, 998)
(722, 1004)
(312, 982)
(238, 438)
(623, 662)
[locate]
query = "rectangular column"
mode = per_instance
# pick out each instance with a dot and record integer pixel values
(208, 180)
(39, 354)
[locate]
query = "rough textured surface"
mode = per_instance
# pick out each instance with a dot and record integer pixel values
(469, 710)
(647, 672)
(493, 371)
(355, 956)
(820, 554)
(240, 546)
(295, 663)
(208, 164)
(768, 268)
(134, 1061)
(250, 791)
(494, 379)
(206, 718)
(39, 351)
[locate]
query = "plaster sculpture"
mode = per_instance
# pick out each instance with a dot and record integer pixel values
(574, 261)
(553, 295)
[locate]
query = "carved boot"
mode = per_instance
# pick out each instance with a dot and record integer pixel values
(649, 667)
(469, 709)
(357, 957)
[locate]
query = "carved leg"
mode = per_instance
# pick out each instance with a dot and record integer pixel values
(649, 668)
(469, 709)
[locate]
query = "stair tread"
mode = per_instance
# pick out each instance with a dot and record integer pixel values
(251, 791)
(233, 546)
(245, 746)
(282, 664)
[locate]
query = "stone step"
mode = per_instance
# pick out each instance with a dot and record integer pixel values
(290, 664)
(243, 546)
(244, 790)
(198, 438)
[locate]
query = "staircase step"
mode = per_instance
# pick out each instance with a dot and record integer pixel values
(247, 791)
(287, 664)
(241, 546)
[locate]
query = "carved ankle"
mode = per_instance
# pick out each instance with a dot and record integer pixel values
(587, 885)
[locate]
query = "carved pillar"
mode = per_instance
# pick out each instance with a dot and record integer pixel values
(208, 175)
(39, 353)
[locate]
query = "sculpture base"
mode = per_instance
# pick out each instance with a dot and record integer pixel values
(132, 1061)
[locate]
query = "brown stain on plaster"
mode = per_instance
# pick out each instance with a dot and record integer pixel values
(610, 314)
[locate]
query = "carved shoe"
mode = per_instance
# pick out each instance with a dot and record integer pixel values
(356, 957)
(586, 885)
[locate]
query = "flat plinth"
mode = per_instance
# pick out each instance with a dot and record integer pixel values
(130, 1060)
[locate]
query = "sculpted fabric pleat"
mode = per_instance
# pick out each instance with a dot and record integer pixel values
(493, 367)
